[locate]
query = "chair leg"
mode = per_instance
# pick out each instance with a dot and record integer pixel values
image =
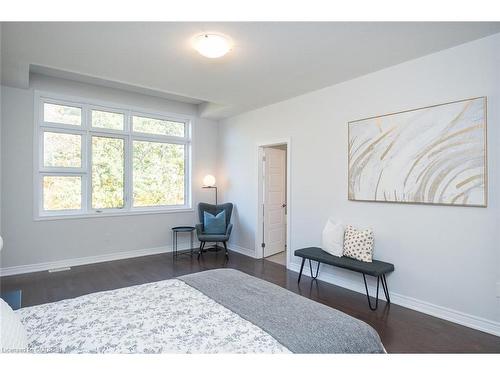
(225, 247)
(202, 245)
(191, 238)
(368, 294)
(301, 268)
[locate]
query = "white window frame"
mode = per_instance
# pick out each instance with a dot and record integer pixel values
(87, 132)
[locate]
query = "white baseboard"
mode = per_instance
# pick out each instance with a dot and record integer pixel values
(468, 320)
(241, 250)
(45, 266)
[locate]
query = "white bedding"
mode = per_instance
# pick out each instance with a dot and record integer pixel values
(163, 317)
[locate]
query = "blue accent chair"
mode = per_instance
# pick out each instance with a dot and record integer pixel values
(214, 238)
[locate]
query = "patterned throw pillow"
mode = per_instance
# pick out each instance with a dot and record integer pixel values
(358, 244)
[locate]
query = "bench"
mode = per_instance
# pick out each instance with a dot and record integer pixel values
(376, 268)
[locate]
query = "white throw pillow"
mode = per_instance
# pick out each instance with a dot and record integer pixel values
(13, 336)
(358, 244)
(333, 238)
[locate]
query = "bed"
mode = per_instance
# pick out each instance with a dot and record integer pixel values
(215, 311)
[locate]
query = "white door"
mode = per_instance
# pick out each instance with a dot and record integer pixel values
(274, 201)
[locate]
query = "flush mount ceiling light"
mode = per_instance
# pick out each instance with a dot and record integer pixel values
(212, 45)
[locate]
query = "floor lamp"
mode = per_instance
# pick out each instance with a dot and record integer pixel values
(209, 183)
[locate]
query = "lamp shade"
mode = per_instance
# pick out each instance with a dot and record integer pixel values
(209, 180)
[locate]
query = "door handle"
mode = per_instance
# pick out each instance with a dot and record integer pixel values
(283, 205)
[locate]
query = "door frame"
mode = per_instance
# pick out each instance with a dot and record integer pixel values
(259, 253)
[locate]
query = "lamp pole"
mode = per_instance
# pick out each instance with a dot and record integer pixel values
(209, 182)
(212, 187)
(216, 247)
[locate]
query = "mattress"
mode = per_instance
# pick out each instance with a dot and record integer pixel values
(216, 311)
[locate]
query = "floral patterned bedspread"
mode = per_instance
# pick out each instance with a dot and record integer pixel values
(163, 317)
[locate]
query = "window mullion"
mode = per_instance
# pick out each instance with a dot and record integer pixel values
(128, 162)
(88, 159)
(187, 175)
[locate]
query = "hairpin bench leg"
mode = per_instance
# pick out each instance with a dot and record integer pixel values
(317, 270)
(386, 288)
(301, 268)
(368, 294)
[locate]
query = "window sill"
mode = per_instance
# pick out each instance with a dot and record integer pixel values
(112, 214)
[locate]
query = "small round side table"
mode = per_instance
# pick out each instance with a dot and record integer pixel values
(175, 232)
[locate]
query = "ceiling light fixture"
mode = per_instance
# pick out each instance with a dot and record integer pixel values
(212, 45)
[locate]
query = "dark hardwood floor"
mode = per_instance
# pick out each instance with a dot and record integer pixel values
(401, 330)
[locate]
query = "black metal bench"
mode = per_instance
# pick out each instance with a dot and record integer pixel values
(376, 268)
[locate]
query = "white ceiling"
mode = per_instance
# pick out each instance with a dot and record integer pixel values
(270, 62)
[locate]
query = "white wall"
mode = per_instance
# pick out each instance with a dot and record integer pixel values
(1, 132)
(444, 256)
(30, 242)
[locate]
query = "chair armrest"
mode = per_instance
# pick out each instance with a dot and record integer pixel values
(199, 229)
(229, 229)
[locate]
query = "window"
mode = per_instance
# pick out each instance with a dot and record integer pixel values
(96, 160)
(62, 193)
(156, 126)
(62, 150)
(108, 120)
(108, 172)
(158, 174)
(62, 114)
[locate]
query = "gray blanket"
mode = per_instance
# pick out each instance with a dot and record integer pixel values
(298, 323)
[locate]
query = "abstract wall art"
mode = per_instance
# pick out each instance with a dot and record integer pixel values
(431, 155)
